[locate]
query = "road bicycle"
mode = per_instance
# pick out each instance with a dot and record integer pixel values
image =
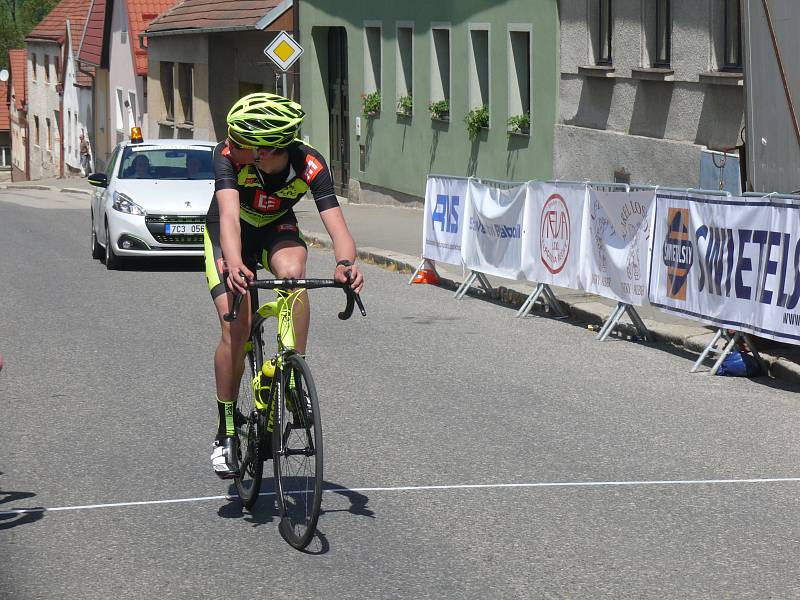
(277, 414)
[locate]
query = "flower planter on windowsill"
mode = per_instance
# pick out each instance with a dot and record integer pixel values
(441, 117)
(525, 131)
(404, 114)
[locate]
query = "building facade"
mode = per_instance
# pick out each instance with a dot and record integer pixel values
(647, 88)
(203, 58)
(387, 87)
(17, 108)
(44, 110)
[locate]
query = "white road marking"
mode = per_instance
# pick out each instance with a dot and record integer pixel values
(416, 488)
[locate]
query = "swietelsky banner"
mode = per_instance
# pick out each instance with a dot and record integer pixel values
(729, 262)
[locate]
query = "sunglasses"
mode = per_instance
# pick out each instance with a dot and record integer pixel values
(270, 151)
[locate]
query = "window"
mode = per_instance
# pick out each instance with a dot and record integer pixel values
(75, 132)
(168, 90)
(440, 64)
(405, 67)
(33, 67)
(120, 106)
(732, 60)
(36, 131)
(185, 90)
(604, 22)
(519, 71)
(372, 58)
(130, 107)
(69, 131)
(478, 66)
(663, 57)
(47, 68)
(49, 134)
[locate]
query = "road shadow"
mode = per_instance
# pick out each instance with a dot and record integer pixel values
(8, 519)
(265, 509)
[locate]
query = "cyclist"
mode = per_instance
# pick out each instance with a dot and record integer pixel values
(261, 171)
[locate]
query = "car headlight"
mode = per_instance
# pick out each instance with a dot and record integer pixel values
(125, 205)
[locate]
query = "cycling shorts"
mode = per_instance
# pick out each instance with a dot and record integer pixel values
(258, 243)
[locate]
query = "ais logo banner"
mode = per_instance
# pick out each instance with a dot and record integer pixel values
(678, 252)
(445, 213)
(445, 202)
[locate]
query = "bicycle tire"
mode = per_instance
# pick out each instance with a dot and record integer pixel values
(297, 454)
(250, 426)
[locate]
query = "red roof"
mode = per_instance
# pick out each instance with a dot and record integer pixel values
(219, 14)
(18, 59)
(5, 119)
(84, 76)
(140, 14)
(91, 46)
(54, 26)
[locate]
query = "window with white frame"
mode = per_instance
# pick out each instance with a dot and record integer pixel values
(440, 65)
(69, 131)
(478, 66)
(48, 139)
(519, 77)
(405, 67)
(372, 58)
(131, 110)
(120, 110)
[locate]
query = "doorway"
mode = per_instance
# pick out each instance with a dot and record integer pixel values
(338, 109)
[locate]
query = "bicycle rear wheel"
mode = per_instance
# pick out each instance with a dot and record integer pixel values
(250, 425)
(297, 453)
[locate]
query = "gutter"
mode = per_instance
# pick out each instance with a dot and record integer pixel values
(274, 14)
(199, 30)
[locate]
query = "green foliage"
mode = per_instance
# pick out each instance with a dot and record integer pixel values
(519, 123)
(371, 104)
(17, 19)
(404, 105)
(439, 110)
(476, 119)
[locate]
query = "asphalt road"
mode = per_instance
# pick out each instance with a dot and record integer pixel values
(469, 454)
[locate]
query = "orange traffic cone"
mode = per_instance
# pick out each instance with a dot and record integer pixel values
(426, 273)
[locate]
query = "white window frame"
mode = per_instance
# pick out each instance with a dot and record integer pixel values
(120, 108)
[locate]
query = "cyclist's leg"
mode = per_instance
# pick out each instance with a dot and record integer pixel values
(286, 257)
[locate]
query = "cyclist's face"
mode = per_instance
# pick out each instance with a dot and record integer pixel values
(269, 160)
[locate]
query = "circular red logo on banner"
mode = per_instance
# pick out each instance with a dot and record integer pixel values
(555, 233)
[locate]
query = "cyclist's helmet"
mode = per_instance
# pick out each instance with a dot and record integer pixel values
(264, 119)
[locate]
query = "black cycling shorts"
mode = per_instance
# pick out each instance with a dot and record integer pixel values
(258, 244)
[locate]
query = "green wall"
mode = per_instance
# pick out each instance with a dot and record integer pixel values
(400, 152)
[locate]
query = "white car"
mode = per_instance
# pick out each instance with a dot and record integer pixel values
(152, 200)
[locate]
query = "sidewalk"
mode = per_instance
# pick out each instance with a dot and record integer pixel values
(392, 236)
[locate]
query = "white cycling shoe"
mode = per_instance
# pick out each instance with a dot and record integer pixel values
(224, 458)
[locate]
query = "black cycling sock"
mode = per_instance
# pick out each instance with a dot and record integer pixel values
(225, 424)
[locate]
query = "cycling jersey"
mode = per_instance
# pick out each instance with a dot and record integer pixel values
(265, 197)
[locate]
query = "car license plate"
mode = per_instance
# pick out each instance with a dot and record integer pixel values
(184, 228)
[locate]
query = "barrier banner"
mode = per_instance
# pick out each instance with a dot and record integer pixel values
(728, 262)
(445, 202)
(493, 229)
(553, 222)
(616, 245)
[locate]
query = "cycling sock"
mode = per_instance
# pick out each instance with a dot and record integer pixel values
(225, 424)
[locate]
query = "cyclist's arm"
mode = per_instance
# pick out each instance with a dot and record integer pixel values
(344, 247)
(230, 238)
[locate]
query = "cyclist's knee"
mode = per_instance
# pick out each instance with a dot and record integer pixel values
(296, 270)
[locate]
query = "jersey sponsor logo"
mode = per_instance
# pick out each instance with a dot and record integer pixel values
(262, 202)
(313, 168)
(286, 227)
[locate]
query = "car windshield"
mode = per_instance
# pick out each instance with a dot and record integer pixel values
(166, 163)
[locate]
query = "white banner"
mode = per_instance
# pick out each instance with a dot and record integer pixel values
(616, 245)
(493, 229)
(729, 262)
(553, 222)
(442, 229)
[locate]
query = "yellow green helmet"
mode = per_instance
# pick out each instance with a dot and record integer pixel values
(264, 119)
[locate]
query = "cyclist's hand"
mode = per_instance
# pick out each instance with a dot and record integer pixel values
(238, 276)
(356, 277)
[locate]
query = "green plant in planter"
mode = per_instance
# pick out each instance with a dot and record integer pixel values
(519, 123)
(371, 104)
(439, 110)
(477, 119)
(404, 105)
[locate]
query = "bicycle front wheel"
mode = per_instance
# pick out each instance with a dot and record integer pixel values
(297, 453)
(250, 426)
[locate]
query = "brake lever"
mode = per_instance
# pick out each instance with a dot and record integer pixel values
(237, 301)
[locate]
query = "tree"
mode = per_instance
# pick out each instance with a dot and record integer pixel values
(17, 19)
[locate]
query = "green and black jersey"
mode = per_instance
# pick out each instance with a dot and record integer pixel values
(264, 197)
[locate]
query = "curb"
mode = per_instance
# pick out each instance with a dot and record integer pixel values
(691, 338)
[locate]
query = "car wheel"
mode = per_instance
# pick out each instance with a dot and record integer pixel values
(97, 249)
(113, 262)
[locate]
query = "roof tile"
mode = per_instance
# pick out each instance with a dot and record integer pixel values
(5, 119)
(197, 14)
(18, 59)
(53, 27)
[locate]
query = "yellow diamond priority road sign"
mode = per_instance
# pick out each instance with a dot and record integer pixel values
(283, 51)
